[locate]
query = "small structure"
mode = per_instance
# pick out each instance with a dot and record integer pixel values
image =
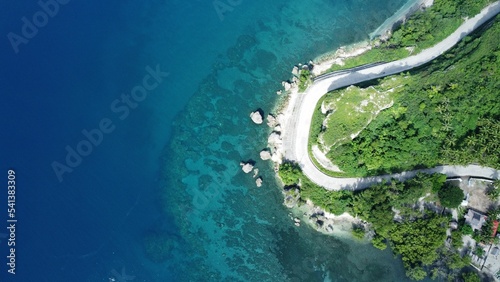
(495, 228)
(453, 225)
(465, 202)
(495, 251)
(475, 219)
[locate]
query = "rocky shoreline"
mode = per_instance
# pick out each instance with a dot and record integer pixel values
(306, 211)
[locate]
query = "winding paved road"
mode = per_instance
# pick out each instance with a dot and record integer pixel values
(297, 128)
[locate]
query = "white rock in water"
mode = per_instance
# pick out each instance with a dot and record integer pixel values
(295, 71)
(246, 167)
(256, 117)
(258, 182)
(274, 138)
(255, 172)
(287, 85)
(277, 157)
(265, 155)
(271, 120)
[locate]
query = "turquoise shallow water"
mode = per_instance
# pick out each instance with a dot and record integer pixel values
(172, 166)
(231, 230)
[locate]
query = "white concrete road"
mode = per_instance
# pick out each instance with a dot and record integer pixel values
(297, 128)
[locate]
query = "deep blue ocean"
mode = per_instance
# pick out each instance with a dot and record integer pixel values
(125, 122)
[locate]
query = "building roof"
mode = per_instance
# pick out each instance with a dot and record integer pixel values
(495, 228)
(475, 219)
(495, 251)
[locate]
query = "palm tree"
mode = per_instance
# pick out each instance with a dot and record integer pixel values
(450, 142)
(447, 117)
(471, 141)
(440, 109)
(446, 126)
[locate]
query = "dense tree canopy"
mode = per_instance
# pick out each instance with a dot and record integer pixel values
(450, 196)
(448, 113)
(417, 241)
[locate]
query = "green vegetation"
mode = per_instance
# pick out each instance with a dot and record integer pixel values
(349, 111)
(415, 234)
(466, 229)
(290, 173)
(456, 238)
(373, 55)
(493, 190)
(336, 203)
(304, 80)
(450, 196)
(485, 235)
(446, 113)
(479, 251)
(358, 232)
(429, 232)
(422, 30)
(471, 277)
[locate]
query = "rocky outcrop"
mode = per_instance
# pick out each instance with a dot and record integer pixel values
(265, 155)
(296, 221)
(247, 167)
(258, 182)
(287, 85)
(256, 117)
(271, 121)
(292, 197)
(274, 138)
(277, 157)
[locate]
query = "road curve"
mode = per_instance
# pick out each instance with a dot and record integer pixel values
(297, 128)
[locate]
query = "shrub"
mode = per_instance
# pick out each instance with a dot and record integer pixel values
(450, 196)
(358, 232)
(471, 277)
(466, 229)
